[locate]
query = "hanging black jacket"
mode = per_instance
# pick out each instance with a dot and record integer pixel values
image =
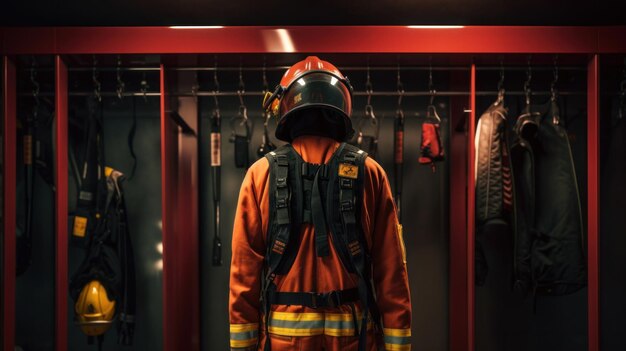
(494, 181)
(549, 254)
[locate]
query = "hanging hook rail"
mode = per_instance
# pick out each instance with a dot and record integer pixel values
(36, 87)
(96, 83)
(555, 73)
(431, 86)
(368, 88)
(144, 87)
(120, 84)
(216, 88)
(529, 75)
(501, 90)
(400, 87)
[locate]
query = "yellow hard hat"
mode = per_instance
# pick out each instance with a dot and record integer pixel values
(94, 310)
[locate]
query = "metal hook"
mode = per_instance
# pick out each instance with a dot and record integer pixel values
(216, 88)
(368, 86)
(555, 72)
(371, 118)
(501, 90)
(242, 87)
(265, 84)
(96, 83)
(120, 84)
(144, 87)
(400, 87)
(431, 87)
(35, 83)
(529, 75)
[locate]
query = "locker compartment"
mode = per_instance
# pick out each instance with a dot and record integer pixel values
(612, 286)
(35, 253)
(120, 93)
(507, 318)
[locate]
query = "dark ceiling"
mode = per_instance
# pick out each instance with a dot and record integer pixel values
(319, 12)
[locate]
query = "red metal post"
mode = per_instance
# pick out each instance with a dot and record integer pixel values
(61, 205)
(471, 211)
(593, 201)
(458, 219)
(9, 204)
(167, 225)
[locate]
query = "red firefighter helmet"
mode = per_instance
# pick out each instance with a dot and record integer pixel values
(312, 88)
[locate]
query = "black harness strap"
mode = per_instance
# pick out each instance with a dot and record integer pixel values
(337, 185)
(314, 300)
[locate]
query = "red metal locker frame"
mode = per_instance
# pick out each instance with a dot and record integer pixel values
(9, 203)
(181, 270)
(168, 173)
(471, 204)
(61, 205)
(336, 39)
(386, 39)
(593, 200)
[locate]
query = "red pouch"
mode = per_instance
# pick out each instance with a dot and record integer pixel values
(431, 149)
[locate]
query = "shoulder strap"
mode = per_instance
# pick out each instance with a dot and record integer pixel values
(279, 227)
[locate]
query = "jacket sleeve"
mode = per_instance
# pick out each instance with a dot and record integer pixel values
(245, 269)
(389, 268)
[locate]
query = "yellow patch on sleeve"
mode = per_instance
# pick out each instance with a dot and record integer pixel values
(401, 239)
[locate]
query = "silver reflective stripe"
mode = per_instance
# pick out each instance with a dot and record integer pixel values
(399, 340)
(245, 335)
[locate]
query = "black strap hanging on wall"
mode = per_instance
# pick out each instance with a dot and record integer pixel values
(241, 129)
(216, 163)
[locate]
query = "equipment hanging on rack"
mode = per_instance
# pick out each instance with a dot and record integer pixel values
(216, 163)
(398, 148)
(549, 256)
(431, 149)
(103, 287)
(37, 160)
(494, 179)
(266, 143)
(369, 128)
(241, 130)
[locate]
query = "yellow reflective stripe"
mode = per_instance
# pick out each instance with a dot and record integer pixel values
(343, 317)
(396, 347)
(397, 332)
(295, 331)
(239, 328)
(344, 332)
(243, 343)
(292, 316)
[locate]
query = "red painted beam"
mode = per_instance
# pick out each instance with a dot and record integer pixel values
(302, 39)
(9, 204)
(471, 130)
(458, 219)
(61, 205)
(593, 201)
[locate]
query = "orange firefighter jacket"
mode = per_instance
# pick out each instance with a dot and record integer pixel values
(316, 274)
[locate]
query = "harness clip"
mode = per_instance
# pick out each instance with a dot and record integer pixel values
(347, 206)
(281, 203)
